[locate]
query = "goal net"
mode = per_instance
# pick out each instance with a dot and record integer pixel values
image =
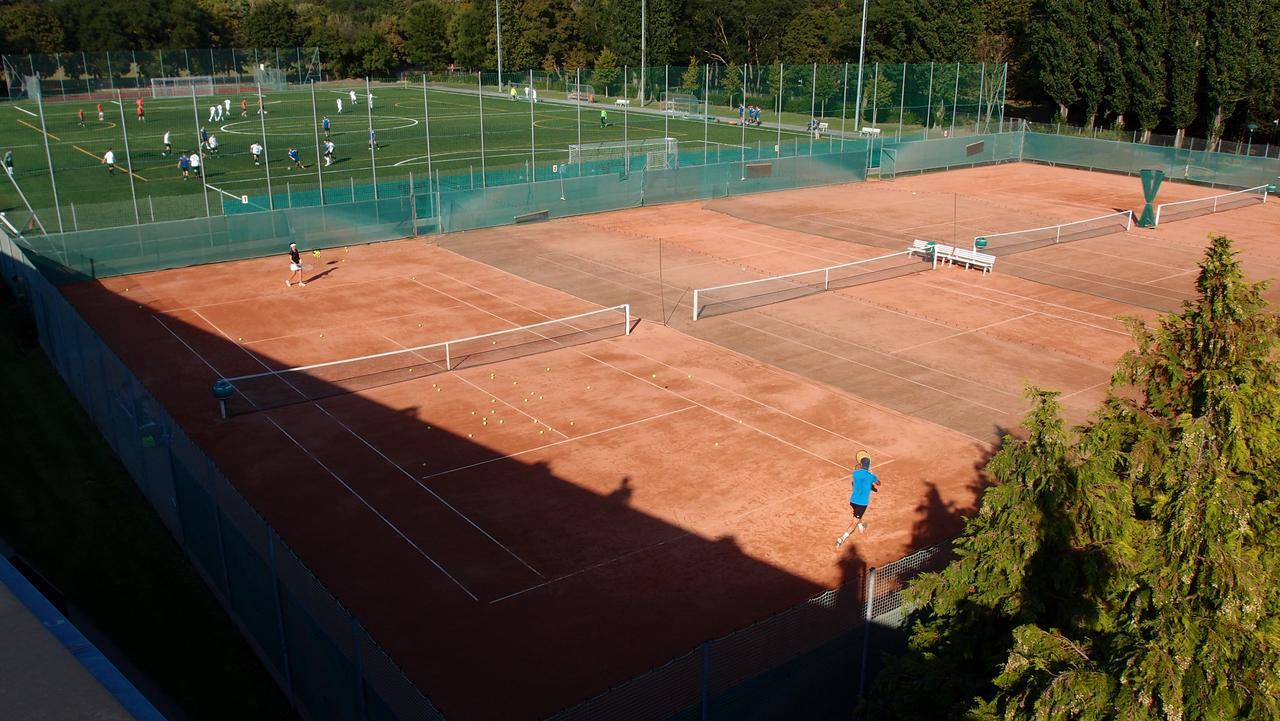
(31, 83)
(181, 87)
(271, 78)
(659, 153)
(681, 105)
(580, 91)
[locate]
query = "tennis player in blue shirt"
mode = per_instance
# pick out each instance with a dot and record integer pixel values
(864, 482)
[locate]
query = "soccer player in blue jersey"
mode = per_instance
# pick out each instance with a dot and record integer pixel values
(324, 123)
(864, 482)
(296, 158)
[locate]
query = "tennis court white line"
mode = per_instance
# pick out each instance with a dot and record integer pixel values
(1155, 290)
(722, 414)
(331, 472)
(967, 381)
(683, 535)
(459, 376)
(24, 110)
(762, 404)
(1086, 389)
(544, 446)
(433, 494)
(375, 511)
(963, 332)
(375, 449)
(1028, 299)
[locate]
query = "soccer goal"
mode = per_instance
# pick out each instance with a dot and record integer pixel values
(271, 78)
(660, 153)
(181, 87)
(681, 105)
(580, 91)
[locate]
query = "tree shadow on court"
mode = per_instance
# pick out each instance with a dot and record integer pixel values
(477, 570)
(939, 520)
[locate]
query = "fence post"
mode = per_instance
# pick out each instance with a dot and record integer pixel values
(706, 680)
(866, 631)
(359, 668)
(275, 594)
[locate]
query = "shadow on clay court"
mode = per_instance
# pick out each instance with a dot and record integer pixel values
(475, 570)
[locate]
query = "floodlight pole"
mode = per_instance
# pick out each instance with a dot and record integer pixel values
(266, 151)
(862, 45)
(204, 190)
(373, 158)
(128, 159)
(497, 23)
(53, 183)
(644, 19)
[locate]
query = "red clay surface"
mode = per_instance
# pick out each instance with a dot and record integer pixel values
(953, 346)
(560, 522)
(564, 521)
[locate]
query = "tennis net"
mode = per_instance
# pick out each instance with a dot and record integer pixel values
(287, 386)
(733, 297)
(1183, 209)
(1019, 241)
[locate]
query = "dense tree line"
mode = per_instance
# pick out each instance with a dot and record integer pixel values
(1209, 66)
(1128, 568)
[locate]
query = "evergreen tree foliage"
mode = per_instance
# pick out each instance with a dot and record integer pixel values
(1129, 568)
(692, 79)
(1056, 47)
(1187, 27)
(1231, 55)
(606, 73)
(731, 83)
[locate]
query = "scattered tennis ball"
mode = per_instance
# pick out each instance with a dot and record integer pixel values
(239, 339)
(322, 335)
(548, 368)
(500, 421)
(473, 413)
(653, 375)
(570, 422)
(469, 435)
(539, 432)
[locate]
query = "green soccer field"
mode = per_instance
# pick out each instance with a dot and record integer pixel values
(464, 144)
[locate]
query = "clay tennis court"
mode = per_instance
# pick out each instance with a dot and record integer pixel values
(554, 524)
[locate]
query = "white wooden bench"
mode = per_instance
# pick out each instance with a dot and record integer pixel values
(973, 259)
(927, 249)
(870, 131)
(622, 101)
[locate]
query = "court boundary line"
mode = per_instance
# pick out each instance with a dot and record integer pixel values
(775, 409)
(1030, 299)
(726, 416)
(654, 546)
(376, 450)
(396, 529)
(878, 370)
(959, 333)
(514, 408)
(567, 439)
